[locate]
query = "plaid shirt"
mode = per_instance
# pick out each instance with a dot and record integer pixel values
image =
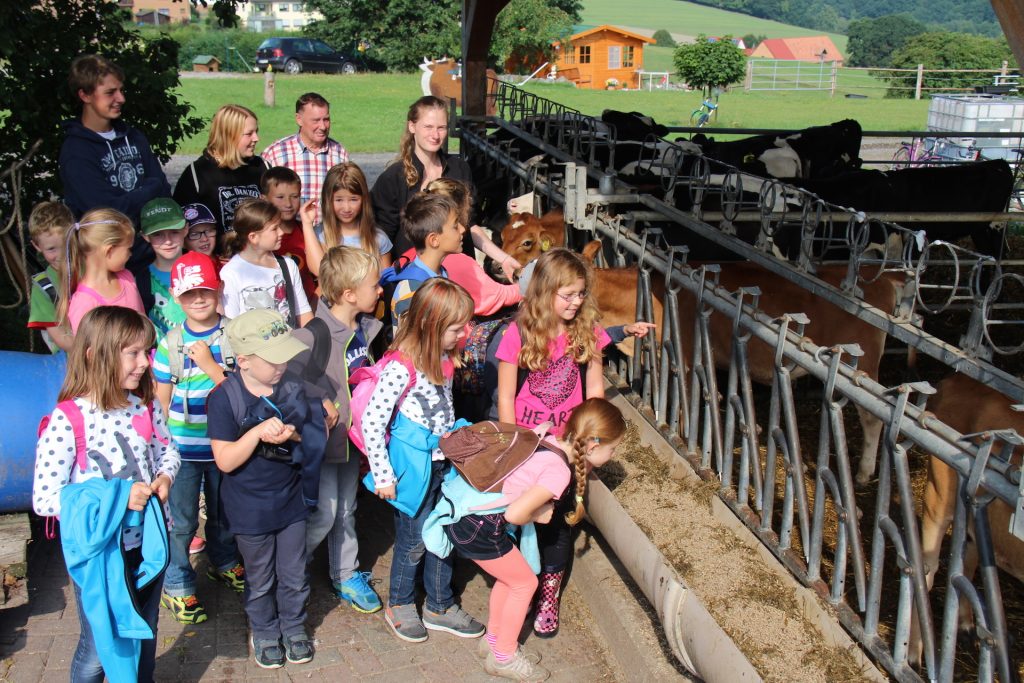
(311, 166)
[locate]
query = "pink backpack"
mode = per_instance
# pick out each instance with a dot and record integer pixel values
(364, 381)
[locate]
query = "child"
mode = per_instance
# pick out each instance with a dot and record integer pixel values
(441, 310)
(268, 439)
(255, 277)
(107, 400)
(202, 232)
(347, 218)
(189, 362)
(348, 278)
(98, 248)
(537, 491)
(163, 226)
(431, 221)
(282, 188)
(47, 229)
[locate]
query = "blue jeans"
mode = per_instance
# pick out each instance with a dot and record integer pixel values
(180, 578)
(410, 553)
(85, 665)
(276, 582)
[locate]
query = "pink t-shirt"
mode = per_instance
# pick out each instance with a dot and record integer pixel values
(86, 298)
(543, 468)
(489, 296)
(552, 393)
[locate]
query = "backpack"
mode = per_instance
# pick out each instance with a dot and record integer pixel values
(320, 354)
(47, 285)
(364, 381)
(175, 341)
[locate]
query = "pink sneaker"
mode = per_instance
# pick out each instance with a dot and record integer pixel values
(197, 546)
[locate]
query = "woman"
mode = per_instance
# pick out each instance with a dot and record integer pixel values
(229, 171)
(421, 159)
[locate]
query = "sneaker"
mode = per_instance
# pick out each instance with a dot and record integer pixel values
(197, 545)
(454, 620)
(357, 592)
(484, 649)
(518, 668)
(186, 609)
(234, 578)
(405, 622)
(299, 648)
(268, 653)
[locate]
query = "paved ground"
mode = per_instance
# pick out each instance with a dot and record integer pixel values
(38, 640)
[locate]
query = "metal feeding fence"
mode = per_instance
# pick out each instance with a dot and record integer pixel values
(871, 568)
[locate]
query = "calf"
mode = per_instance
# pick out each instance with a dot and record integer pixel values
(968, 407)
(525, 237)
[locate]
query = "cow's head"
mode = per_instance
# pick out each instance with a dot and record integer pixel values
(525, 237)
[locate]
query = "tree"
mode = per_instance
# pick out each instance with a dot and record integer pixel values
(38, 40)
(942, 50)
(708, 64)
(751, 40)
(663, 38)
(872, 41)
(528, 29)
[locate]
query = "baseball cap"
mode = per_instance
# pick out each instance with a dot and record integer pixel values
(193, 270)
(160, 214)
(197, 214)
(264, 333)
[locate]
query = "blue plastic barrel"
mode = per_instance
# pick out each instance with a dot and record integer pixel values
(29, 384)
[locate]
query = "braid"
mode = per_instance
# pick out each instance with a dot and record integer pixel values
(579, 461)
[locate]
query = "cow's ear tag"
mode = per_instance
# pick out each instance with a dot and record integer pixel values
(545, 244)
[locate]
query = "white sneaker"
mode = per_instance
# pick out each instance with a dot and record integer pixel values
(484, 649)
(518, 668)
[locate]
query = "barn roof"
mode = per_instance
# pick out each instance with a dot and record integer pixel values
(808, 48)
(613, 29)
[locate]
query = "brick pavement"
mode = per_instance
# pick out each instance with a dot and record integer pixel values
(37, 640)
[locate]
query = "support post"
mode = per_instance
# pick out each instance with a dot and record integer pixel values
(920, 79)
(478, 18)
(748, 81)
(835, 78)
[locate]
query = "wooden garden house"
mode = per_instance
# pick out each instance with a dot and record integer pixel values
(593, 56)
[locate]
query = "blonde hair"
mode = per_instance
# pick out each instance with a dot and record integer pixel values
(225, 131)
(456, 190)
(47, 217)
(437, 305)
(408, 143)
(348, 176)
(537, 321)
(344, 268)
(252, 215)
(94, 364)
(96, 230)
(594, 421)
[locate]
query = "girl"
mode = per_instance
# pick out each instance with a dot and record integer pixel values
(415, 385)
(202, 232)
(98, 248)
(348, 218)
(229, 170)
(421, 159)
(106, 402)
(540, 490)
(255, 277)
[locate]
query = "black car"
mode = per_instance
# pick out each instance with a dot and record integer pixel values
(294, 55)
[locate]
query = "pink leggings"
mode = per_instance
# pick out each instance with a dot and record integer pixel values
(510, 598)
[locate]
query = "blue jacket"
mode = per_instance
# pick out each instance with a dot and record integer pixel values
(94, 512)
(459, 499)
(122, 173)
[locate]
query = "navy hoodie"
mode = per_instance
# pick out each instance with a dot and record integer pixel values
(121, 174)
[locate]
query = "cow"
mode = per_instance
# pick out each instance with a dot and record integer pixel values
(525, 237)
(970, 408)
(442, 78)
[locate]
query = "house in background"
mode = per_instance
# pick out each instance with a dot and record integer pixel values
(590, 57)
(158, 12)
(263, 15)
(805, 49)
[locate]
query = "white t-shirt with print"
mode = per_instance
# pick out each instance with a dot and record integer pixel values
(248, 287)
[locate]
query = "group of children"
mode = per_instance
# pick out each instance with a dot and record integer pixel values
(250, 374)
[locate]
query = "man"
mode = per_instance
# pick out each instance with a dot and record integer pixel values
(311, 152)
(104, 161)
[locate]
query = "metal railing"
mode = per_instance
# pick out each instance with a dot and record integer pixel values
(870, 568)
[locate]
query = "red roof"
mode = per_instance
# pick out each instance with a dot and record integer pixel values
(805, 48)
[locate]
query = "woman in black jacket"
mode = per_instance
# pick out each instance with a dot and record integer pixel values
(229, 170)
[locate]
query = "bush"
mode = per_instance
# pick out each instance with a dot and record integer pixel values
(197, 39)
(663, 38)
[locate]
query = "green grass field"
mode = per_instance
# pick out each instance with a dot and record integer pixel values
(690, 19)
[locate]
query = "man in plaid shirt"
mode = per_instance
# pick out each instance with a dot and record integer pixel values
(311, 152)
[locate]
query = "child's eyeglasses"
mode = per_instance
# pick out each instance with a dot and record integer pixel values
(274, 330)
(570, 298)
(201, 234)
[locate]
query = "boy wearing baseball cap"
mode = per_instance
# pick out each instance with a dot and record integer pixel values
(268, 440)
(190, 361)
(163, 226)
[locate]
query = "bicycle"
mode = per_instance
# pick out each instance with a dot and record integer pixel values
(914, 154)
(699, 117)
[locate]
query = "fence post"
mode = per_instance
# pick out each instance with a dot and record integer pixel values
(835, 77)
(1002, 70)
(920, 79)
(749, 79)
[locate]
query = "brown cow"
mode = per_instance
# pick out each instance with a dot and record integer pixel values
(442, 78)
(525, 237)
(968, 407)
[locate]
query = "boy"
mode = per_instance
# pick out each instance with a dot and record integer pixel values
(348, 279)
(282, 188)
(431, 221)
(268, 439)
(163, 226)
(189, 361)
(47, 229)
